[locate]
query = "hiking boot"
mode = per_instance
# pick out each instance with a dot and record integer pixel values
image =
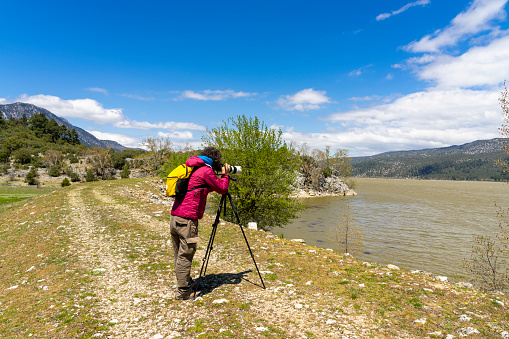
(184, 293)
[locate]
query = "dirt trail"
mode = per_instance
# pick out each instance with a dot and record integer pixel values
(137, 300)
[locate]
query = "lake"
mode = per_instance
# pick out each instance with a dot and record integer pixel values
(414, 224)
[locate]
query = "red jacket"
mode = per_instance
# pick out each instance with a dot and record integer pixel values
(192, 206)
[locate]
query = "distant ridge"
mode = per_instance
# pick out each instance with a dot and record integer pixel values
(471, 161)
(16, 111)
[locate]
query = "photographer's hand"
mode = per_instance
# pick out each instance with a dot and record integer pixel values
(225, 169)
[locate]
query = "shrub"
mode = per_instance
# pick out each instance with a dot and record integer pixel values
(126, 172)
(65, 182)
(31, 177)
(90, 176)
(54, 171)
(74, 177)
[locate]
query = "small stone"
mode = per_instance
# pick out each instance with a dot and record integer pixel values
(464, 317)
(298, 306)
(392, 267)
(157, 336)
(220, 301)
(442, 278)
(468, 331)
(30, 269)
(504, 334)
(298, 240)
(261, 329)
(12, 287)
(421, 321)
(309, 283)
(362, 285)
(330, 322)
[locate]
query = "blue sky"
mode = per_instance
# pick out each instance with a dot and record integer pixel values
(368, 76)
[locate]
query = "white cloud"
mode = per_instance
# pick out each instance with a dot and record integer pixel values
(307, 99)
(215, 95)
(86, 109)
(480, 66)
(3, 100)
(120, 138)
(137, 97)
(358, 72)
(477, 18)
(416, 121)
(97, 89)
(384, 16)
(176, 135)
(168, 125)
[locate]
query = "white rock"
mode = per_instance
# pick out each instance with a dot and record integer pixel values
(12, 287)
(449, 336)
(298, 306)
(392, 267)
(30, 269)
(499, 302)
(157, 336)
(266, 272)
(261, 329)
(220, 301)
(309, 282)
(330, 322)
(421, 321)
(465, 317)
(467, 331)
(436, 333)
(362, 285)
(312, 251)
(299, 240)
(442, 278)
(504, 334)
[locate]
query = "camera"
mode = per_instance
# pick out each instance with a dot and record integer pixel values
(234, 169)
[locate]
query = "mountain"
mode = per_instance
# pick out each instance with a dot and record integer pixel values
(16, 111)
(472, 161)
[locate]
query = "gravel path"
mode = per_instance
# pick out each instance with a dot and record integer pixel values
(138, 302)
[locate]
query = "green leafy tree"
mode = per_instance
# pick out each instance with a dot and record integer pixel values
(22, 156)
(263, 191)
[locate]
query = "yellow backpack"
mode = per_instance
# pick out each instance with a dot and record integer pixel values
(178, 180)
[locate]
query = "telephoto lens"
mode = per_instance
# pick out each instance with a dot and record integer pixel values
(234, 169)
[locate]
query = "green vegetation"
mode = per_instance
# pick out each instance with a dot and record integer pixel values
(12, 194)
(441, 167)
(263, 191)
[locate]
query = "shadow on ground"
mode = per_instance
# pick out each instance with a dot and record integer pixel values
(210, 282)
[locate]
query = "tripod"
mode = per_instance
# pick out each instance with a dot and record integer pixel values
(205, 263)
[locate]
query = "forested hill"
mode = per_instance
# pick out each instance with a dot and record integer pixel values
(16, 111)
(471, 161)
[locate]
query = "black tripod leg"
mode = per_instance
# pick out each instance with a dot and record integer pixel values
(205, 260)
(245, 238)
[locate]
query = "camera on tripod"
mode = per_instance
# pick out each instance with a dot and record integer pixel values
(234, 169)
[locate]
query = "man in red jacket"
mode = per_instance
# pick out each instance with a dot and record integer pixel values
(187, 210)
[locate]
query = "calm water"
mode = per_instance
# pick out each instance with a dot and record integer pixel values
(414, 224)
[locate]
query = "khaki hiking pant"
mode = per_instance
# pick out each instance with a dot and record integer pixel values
(184, 237)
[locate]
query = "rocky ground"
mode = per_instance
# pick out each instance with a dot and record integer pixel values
(93, 260)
